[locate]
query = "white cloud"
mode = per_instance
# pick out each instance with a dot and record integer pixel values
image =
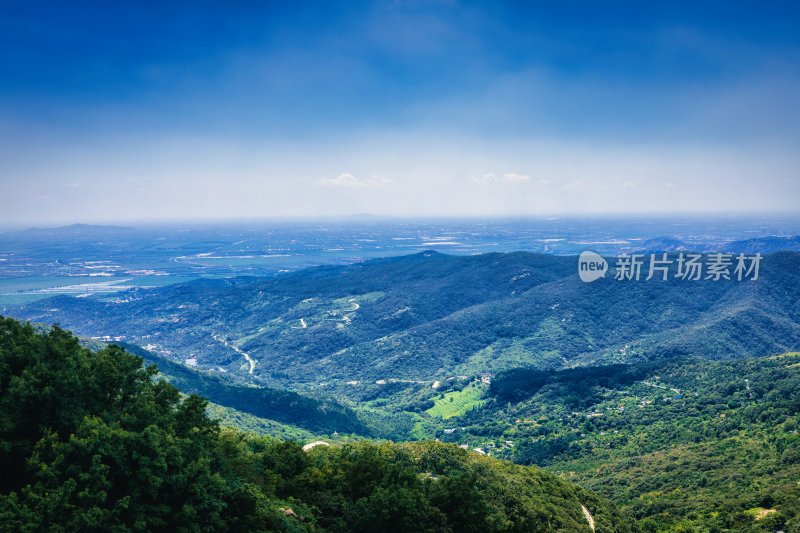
(349, 181)
(342, 180)
(508, 178)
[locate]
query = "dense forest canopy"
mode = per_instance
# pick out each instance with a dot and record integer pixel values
(95, 441)
(686, 445)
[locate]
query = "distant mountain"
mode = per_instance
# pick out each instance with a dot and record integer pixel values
(764, 245)
(663, 244)
(75, 230)
(427, 317)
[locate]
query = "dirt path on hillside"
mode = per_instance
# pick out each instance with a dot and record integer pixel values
(588, 516)
(250, 361)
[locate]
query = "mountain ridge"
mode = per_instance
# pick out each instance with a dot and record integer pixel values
(430, 315)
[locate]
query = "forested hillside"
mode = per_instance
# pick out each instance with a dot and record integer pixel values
(430, 316)
(93, 441)
(668, 398)
(320, 415)
(684, 445)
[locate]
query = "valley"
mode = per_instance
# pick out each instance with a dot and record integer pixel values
(614, 386)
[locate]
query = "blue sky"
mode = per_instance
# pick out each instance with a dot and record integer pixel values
(179, 110)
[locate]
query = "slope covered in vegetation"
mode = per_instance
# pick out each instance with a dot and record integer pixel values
(429, 316)
(683, 445)
(320, 415)
(91, 441)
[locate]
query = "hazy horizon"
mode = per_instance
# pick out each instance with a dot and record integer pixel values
(360, 218)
